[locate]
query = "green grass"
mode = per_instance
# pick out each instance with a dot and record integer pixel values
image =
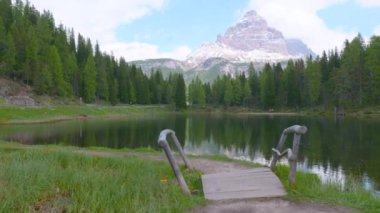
(228, 159)
(10, 114)
(309, 187)
(55, 179)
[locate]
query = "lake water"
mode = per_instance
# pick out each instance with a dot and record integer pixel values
(332, 148)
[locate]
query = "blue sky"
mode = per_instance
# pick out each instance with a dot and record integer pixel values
(183, 23)
(351, 16)
(142, 29)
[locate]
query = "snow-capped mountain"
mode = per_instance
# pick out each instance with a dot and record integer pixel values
(249, 40)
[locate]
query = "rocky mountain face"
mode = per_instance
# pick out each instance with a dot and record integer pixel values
(253, 33)
(249, 40)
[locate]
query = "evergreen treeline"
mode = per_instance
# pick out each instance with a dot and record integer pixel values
(49, 58)
(56, 62)
(349, 79)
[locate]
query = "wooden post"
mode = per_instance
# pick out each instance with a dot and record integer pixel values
(279, 148)
(293, 159)
(181, 152)
(164, 144)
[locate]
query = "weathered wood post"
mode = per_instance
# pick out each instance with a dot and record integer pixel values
(164, 144)
(292, 153)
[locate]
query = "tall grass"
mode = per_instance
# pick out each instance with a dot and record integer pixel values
(57, 180)
(309, 187)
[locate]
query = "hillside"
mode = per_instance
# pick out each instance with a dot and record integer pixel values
(15, 93)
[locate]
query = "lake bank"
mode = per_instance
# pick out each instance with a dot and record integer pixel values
(51, 178)
(236, 135)
(25, 115)
(57, 113)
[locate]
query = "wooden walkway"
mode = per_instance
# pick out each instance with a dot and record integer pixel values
(242, 184)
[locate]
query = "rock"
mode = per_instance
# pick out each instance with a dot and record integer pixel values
(21, 101)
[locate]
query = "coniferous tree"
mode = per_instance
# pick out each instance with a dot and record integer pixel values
(246, 90)
(6, 13)
(3, 47)
(31, 57)
(313, 76)
(290, 84)
(60, 86)
(267, 87)
(278, 85)
(10, 56)
(372, 62)
(180, 93)
(228, 94)
(196, 92)
(89, 80)
(353, 64)
(208, 93)
(237, 92)
(123, 81)
(254, 84)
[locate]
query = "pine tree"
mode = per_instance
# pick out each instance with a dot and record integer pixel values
(10, 56)
(267, 87)
(228, 91)
(290, 84)
(254, 84)
(246, 90)
(6, 13)
(180, 93)
(237, 92)
(31, 57)
(123, 81)
(131, 92)
(3, 47)
(89, 80)
(313, 76)
(353, 63)
(82, 53)
(196, 92)
(60, 87)
(372, 62)
(278, 85)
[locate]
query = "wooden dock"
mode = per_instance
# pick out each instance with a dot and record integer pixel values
(242, 184)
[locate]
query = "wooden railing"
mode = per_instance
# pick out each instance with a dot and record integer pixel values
(297, 130)
(162, 141)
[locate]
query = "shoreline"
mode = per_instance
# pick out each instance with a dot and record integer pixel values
(308, 192)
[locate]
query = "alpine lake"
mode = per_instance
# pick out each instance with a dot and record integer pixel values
(333, 148)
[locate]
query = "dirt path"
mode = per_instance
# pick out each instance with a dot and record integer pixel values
(208, 166)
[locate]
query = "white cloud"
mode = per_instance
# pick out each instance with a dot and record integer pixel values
(376, 31)
(139, 51)
(298, 19)
(369, 3)
(99, 20)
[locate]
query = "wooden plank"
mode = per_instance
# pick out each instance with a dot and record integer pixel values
(252, 183)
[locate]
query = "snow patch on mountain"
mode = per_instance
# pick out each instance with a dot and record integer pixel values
(251, 40)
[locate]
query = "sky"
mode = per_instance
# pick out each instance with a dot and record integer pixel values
(145, 29)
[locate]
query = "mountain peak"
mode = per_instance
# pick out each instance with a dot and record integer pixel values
(251, 32)
(250, 39)
(251, 16)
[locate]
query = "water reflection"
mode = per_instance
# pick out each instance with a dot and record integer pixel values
(331, 148)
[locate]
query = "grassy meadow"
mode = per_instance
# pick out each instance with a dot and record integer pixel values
(54, 178)
(310, 188)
